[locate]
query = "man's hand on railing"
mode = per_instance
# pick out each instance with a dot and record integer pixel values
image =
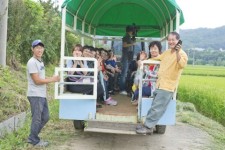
(55, 78)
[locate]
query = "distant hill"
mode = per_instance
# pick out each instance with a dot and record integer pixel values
(206, 38)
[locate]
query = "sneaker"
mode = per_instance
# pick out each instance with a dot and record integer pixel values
(116, 89)
(41, 144)
(111, 102)
(144, 130)
(111, 92)
(135, 102)
(139, 126)
(98, 105)
(29, 141)
(123, 93)
(129, 94)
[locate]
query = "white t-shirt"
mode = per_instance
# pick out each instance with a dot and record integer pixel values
(35, 66)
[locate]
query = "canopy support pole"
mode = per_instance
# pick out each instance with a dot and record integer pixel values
(93, 43)
(89, 29)
(82, 38)
(167, 46)
(177, 30)
(167, 32)
(63, 35)
(75, 23)
(177, 21)
(171, 25)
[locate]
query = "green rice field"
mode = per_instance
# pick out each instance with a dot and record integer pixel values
(204, 86)
(205, 71)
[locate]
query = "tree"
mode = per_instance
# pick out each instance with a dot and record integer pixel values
(24, 18)
(30, 20)
(3, 30)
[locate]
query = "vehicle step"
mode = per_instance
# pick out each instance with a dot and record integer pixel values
(110, 127)
(116, 118)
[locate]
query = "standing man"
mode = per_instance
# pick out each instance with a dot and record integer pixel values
(127, 57)
(36, 93)
(172, 63)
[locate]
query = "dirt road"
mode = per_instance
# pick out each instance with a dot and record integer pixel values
(178, 137)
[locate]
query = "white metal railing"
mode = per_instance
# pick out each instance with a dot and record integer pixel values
(60, 93)
(143, 63)
(147, 62)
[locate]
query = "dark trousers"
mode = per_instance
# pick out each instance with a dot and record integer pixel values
(146, 92)
(116, 83)
(111, 82)
(125, 64)
(86, 89)
(40, 116)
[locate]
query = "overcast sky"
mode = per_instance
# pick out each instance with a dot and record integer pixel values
(201, 13)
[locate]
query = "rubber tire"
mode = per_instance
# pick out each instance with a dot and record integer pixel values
(78, 124)
(160, 129)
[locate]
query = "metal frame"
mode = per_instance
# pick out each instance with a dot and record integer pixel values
(141, 82)
(59, 85)
(145, 103)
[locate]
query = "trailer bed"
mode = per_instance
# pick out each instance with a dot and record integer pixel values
(123, 112)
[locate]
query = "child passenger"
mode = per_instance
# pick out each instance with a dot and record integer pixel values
(137, 78)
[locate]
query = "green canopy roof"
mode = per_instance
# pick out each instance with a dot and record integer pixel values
(110, 17)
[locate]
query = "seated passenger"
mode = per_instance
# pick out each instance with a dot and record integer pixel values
(79, 76)
(150, 73)
(117, 73)
(131, 74)
(112, 70)
(103, 77)
(137, 78)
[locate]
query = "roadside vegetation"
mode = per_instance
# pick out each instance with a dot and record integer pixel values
(12, 92)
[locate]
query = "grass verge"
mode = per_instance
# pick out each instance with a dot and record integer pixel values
(12, 92)
(186, 113)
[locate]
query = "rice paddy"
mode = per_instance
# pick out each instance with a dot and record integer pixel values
(204, 86)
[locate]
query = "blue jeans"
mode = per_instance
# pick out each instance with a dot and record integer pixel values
(126, 59)
(40, 116)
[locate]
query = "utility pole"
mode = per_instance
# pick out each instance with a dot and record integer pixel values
(193, 62)
(3, 30)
